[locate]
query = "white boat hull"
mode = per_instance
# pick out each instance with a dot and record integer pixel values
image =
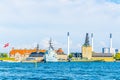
(50, 56)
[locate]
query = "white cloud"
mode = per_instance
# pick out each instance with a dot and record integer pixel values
(33, 20)
(77, 12)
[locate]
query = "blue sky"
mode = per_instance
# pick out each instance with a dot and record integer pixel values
(24, 23)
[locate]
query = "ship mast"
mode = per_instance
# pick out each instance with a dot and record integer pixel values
(50, 45)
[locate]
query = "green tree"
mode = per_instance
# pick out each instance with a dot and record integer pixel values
(117, 56)
(70, 56)
(3, 55)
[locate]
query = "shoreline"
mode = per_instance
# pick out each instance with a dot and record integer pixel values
(54, 62)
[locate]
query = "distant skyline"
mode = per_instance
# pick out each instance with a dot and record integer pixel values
(24, 23)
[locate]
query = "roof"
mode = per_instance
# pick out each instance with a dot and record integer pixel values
(102, 55)
(60, 51)
(24, 51)
(35, 54)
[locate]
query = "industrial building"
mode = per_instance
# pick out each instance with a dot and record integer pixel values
(88, 53)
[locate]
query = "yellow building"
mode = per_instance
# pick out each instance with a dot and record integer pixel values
(87, 52)
(62, 57)
(108, 57)
(86, 48)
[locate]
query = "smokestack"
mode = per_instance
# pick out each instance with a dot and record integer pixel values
(111, 50)
(92, 41)
(110, 40)
(68, 35)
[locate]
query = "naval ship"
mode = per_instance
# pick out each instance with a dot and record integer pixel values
(50, 54)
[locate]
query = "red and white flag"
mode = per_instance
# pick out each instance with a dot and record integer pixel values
(6, 45)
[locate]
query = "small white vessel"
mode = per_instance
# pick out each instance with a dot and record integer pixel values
(50, 54)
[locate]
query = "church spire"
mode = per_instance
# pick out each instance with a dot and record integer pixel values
(37, 49)
(87, 40)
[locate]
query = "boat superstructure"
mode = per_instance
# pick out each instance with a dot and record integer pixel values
(50, 54)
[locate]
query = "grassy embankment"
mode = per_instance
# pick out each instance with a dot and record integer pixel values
(7, 59)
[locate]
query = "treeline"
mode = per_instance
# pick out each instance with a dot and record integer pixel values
(3, 55)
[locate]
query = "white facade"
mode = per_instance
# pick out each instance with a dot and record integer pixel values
(108, 50)
(105, 50)
(112, 50)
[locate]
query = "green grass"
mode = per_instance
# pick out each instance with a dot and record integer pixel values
(11, 59)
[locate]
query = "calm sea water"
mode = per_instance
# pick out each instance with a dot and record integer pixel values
(60, 71)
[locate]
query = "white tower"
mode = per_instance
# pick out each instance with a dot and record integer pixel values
(110, 40)
(92, 41)
(111, 49)
(68, 43)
